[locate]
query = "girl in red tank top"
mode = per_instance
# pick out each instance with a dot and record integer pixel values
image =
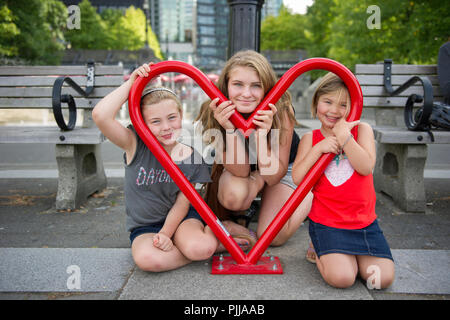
(343, 226)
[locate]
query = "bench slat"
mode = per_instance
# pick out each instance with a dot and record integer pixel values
(396, 135)
(50, 135)
(377, 80)
(48, 81)
(397, 69)
(378, 91)
(43, 103)
(58, 70)
(389, 101)
(46, 92)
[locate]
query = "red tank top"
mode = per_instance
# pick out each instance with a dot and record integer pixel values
(343, 198)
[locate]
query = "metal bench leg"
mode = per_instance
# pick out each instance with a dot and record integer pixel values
(399, 173)
(81, 173)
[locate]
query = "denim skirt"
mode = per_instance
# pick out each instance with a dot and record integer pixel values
(368, 241)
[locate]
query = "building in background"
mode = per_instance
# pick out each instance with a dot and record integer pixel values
(175, 28)
(211, 33)
(193, 31)
(271, 8)
(211, 30)
(101, 5)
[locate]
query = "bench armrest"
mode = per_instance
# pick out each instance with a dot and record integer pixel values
(57, 98)
(422, 124)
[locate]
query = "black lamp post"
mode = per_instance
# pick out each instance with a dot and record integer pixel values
(244, 26)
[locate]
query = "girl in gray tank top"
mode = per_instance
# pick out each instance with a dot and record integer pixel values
(165, 231)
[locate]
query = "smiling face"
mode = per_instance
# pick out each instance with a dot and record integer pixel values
(333, 106)
(245, 89)
(164, 121)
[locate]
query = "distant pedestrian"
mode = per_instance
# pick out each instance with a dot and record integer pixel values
(346, 238)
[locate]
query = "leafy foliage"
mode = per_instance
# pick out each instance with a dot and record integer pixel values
(33, 34)
(411, 31)
(35, 31)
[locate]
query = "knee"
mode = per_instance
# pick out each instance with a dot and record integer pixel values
(387, 281)
(340, 278)
(381, 280)
(280, 239)
(233, 194)
(233, 200)
(148, 262)
(199, 249)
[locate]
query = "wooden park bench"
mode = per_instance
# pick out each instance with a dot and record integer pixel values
(401, 153)
(78, 153)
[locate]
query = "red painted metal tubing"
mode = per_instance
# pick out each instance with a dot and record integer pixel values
(272, 97)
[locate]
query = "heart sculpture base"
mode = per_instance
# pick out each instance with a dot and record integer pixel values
(227, 265)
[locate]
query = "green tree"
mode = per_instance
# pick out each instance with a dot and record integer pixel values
(286, 31)
(93, 30)
(112, 30)
(129, 32)
(8, 32)
(318, 23)
(31, 30)
(410, 31)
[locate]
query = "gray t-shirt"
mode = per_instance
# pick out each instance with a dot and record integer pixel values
(149, 190)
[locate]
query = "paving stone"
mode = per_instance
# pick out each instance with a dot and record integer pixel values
(57, 269)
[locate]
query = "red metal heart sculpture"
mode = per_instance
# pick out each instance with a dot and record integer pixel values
(245, 263)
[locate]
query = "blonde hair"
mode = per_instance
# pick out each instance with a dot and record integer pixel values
(262, 67)
(329, 83)
(153, 95)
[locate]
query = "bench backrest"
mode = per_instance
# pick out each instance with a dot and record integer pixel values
(381, 107)
(32, 86)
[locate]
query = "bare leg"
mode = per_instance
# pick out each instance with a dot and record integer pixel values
(195, 241)
(379, 271)
(273, 199)
(337, 269)
(149, 258)
(237, 193)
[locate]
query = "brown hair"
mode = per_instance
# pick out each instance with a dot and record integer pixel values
(329, 83)
(268, 79)
(259, 63)
(153, 95)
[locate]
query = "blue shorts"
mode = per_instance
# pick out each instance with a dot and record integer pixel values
(155, 228)
(368, 241)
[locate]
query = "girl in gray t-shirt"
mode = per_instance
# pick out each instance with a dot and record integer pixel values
(165, 231)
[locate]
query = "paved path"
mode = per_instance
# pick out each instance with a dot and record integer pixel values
(43, 251)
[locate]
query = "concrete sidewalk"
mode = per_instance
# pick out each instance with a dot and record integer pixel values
(84, 254)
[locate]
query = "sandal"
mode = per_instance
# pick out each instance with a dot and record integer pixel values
(311, 253)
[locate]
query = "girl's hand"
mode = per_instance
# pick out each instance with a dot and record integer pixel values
(264, 119)
(163, 242)
(223, 112)
(141, 71)
(342, 129)
(329, 145)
